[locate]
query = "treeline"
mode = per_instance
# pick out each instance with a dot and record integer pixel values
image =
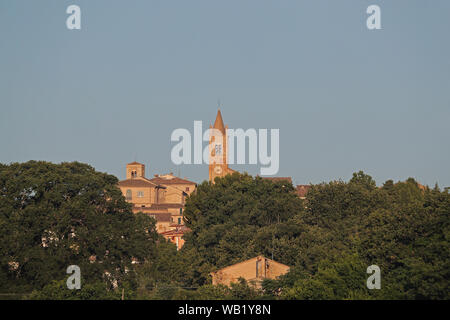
(53, 216)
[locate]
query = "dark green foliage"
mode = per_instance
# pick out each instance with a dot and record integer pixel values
(236, 291)
(56, 215)
(57, 290)
(400, 227)
(239, 218)
(328, 240)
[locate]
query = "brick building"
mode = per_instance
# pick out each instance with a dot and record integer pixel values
(162, 198)
(254, 270)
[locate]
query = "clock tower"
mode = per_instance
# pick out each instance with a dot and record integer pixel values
(218, 161)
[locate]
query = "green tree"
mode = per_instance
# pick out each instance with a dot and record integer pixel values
(57, 290)
(56, 215)
(238, 218)
(402, 227)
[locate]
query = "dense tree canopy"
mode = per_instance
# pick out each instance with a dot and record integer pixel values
(238, 218)
(329, 240)
(56, 215)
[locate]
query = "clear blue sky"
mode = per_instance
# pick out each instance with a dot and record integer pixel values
(344, 98)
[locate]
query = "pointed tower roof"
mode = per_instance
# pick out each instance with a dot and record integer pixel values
(134, 163)
(218, 124)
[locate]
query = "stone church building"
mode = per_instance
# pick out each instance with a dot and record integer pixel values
(163, 196)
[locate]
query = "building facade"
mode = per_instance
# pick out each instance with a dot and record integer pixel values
(254, 271)
(162, 198)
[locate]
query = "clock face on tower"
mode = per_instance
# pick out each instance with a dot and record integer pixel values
(218, 149)
(218, 170)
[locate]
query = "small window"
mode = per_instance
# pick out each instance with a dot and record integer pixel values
(140, 194)
(179, 220)
(187, 188)
(258, 268)
(129, 195)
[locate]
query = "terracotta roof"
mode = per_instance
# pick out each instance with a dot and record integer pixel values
(172, 233)
(218, 124)
(175, 180)
(137, 182)
(421, 187)
(177, 231)
(302, 190)
(276, 179)
(133, 163)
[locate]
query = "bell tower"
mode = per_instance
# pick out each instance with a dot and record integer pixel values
(218, 153)
(135, 170)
